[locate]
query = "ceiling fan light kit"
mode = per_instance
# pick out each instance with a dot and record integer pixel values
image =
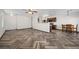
(31, 11)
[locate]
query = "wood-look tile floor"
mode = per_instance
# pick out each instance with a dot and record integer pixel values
(35, 39)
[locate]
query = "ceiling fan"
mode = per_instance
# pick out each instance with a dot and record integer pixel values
(31, 11)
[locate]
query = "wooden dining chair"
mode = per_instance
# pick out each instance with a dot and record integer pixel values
(63, 27)
(72, 28)
(76, 28)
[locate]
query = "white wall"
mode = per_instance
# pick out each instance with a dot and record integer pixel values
(2, 29)
(23, 22)
(10, 22)
(17, 22)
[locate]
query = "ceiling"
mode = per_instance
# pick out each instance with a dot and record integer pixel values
(41, 11)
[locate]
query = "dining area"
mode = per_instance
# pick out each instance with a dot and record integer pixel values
(70, 28)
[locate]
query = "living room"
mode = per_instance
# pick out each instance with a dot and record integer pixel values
(30, 28)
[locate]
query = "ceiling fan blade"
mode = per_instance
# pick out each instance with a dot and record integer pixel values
(34, 11)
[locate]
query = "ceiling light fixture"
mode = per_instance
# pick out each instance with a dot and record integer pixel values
(30, 12)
